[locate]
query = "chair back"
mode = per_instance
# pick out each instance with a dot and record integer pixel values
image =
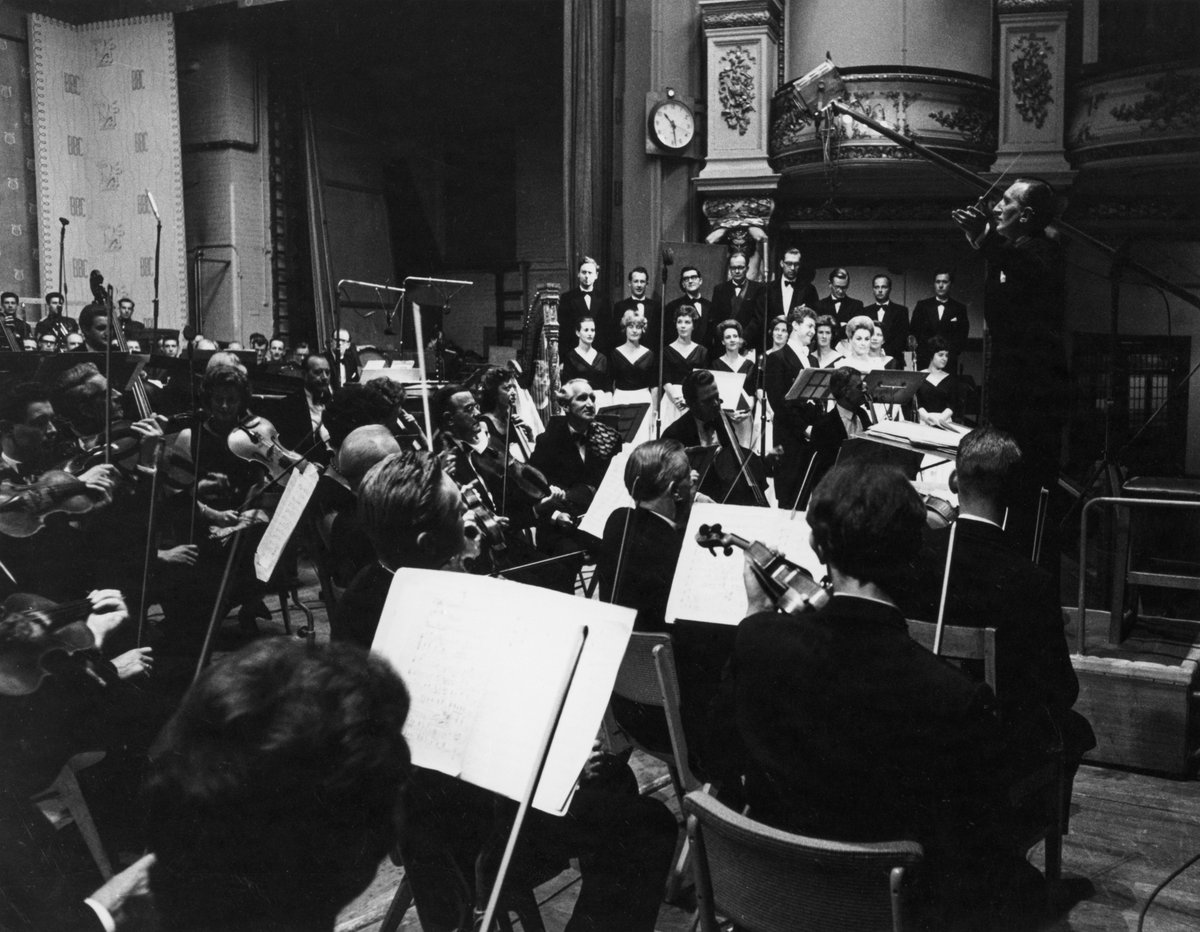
(767, 880)
(960, 643)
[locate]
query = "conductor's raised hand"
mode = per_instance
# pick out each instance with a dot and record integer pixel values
(972, 220)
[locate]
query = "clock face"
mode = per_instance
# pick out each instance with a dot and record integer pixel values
(673, 125)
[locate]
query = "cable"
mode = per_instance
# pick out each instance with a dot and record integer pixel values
(1157, 890)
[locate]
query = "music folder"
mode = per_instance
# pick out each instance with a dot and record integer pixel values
(810, 385)
(493, 666)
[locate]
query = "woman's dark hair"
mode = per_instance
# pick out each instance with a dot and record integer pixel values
(488, 385)
(937, 344)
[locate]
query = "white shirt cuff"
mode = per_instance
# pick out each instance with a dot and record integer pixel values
(103, 915)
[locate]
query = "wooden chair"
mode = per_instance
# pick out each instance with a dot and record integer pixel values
(63, 803)
(767, 880)
(1038, 794)
(647, 676)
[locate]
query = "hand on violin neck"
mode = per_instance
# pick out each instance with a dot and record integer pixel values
(108, 613)
(101, 480)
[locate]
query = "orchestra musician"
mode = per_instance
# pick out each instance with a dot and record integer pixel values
(93, 324)
(55, 321)
(133, 329)
(413, 513)
(498, 393)
(839, 726)
(10, 302)
(792, 418)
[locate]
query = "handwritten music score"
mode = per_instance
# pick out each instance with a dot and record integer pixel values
(299, 490)
(708, 588)
(483, 660)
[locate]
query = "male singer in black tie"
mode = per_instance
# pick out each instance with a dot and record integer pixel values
(583, 301)
(742, 300)
(940, 316)
(839, 305)
(641, 303)
(788, 291)
(691, 282)
(892, 317)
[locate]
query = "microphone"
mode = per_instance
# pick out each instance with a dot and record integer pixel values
(153, 206)
(668, 256)
(64, 221)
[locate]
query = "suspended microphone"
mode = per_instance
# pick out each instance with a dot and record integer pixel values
(668, 255)
(153, 206)
(63, 220)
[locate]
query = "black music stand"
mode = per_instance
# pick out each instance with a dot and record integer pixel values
(893, 386)
(123, 368)
(626, 420)
(810, 385)
(864, 449)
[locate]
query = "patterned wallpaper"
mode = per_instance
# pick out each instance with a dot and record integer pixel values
(106, 107)
(18, 194)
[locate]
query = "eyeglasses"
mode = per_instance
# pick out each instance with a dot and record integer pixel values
(686, 277)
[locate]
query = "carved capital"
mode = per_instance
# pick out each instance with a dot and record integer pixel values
(1031, 6)
(716, 15)
(730, 212)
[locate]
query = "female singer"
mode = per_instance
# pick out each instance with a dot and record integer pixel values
(937, 396)
(497, 395)
(779, 334)
(827, 356)
(679, 358)
(876, 351)
(732, 359)
(859, 331)
(631, 364)
(585, 361)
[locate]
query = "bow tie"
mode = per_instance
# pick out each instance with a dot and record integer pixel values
(786, 283)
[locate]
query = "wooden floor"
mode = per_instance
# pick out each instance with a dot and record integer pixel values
(1128, 832)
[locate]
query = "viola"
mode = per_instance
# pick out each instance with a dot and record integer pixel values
(491, 532)
(255, 439)
(939, 513)
(24, 508)
(789, 585)
(24, 664)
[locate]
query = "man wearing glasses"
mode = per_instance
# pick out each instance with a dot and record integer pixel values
(788, 291)
(691, 282)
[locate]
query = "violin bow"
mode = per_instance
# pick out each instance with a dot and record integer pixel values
(941, 618)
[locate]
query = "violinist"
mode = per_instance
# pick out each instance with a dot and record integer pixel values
(55, 321)
(317, 393)
(506, 433)
(839, 726)
(93, 324)
(414, 514)
(28, 449)
(9, 304)
(703, 425)
(83, 398)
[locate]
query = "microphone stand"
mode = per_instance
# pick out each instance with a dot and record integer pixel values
(62, 253)
(157, 260)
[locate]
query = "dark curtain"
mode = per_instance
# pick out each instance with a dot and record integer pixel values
(590, 143)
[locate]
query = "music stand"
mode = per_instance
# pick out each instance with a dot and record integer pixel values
(626, 420)
(810, 385)
(864, 449)
(893, 386)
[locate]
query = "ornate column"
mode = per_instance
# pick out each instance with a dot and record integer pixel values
(742, 41)
(1033, 95)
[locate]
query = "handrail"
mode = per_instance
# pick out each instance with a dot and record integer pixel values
(1081, 608)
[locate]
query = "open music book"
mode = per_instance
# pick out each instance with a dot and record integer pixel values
(484, 660)
(708, 588)
(610, 495)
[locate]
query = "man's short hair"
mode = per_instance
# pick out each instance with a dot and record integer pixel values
(693, 382)
(653, 466)
(256, 338)
(735, 256)
(9, 294)
(586, 260)
(128, 301)
(837, 273)
(568, 390)
(16, 399)
(274, 795)
(688, 268)
(866, 520)
(397, 501)
(799, 312)
(944, 271)
(1038, 196)
(637, 268)
(842, 380)
(71, 379)
(794, 250)
(439, 404)
(89, 314)
(351, 407)
(986, 461)
(54, 294)
(878, 275)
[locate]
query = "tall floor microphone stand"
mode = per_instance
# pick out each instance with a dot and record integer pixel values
(157, 257)
(62, 259)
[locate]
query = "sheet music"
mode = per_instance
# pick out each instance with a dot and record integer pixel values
(610, 495)
(482, 659)
(708, 588)
(296, 493)
(919, 434)
(729, 386)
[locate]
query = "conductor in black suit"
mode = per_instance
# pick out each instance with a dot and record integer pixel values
(892, 317)
(742, 300)
(691, 282)
(838, 725)
(940, 316)
(584, 301)
(787, 291)
(839, 305)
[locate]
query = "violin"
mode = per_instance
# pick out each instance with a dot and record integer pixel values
(491, 532)
(255, 439)
(939, 513)
(24, 508)
(24, 661)
(790, 586)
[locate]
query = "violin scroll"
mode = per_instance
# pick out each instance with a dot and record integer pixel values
(790, 586)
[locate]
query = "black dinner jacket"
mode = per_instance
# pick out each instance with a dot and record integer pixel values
(895, 328)
(792, 419)
(706, 323)
(828, 435)
(802, 293)
(749, 312)
(571, 307)
(953, 327)
(557, 456)
(684, 430)
(850, 308)
(992, 585)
